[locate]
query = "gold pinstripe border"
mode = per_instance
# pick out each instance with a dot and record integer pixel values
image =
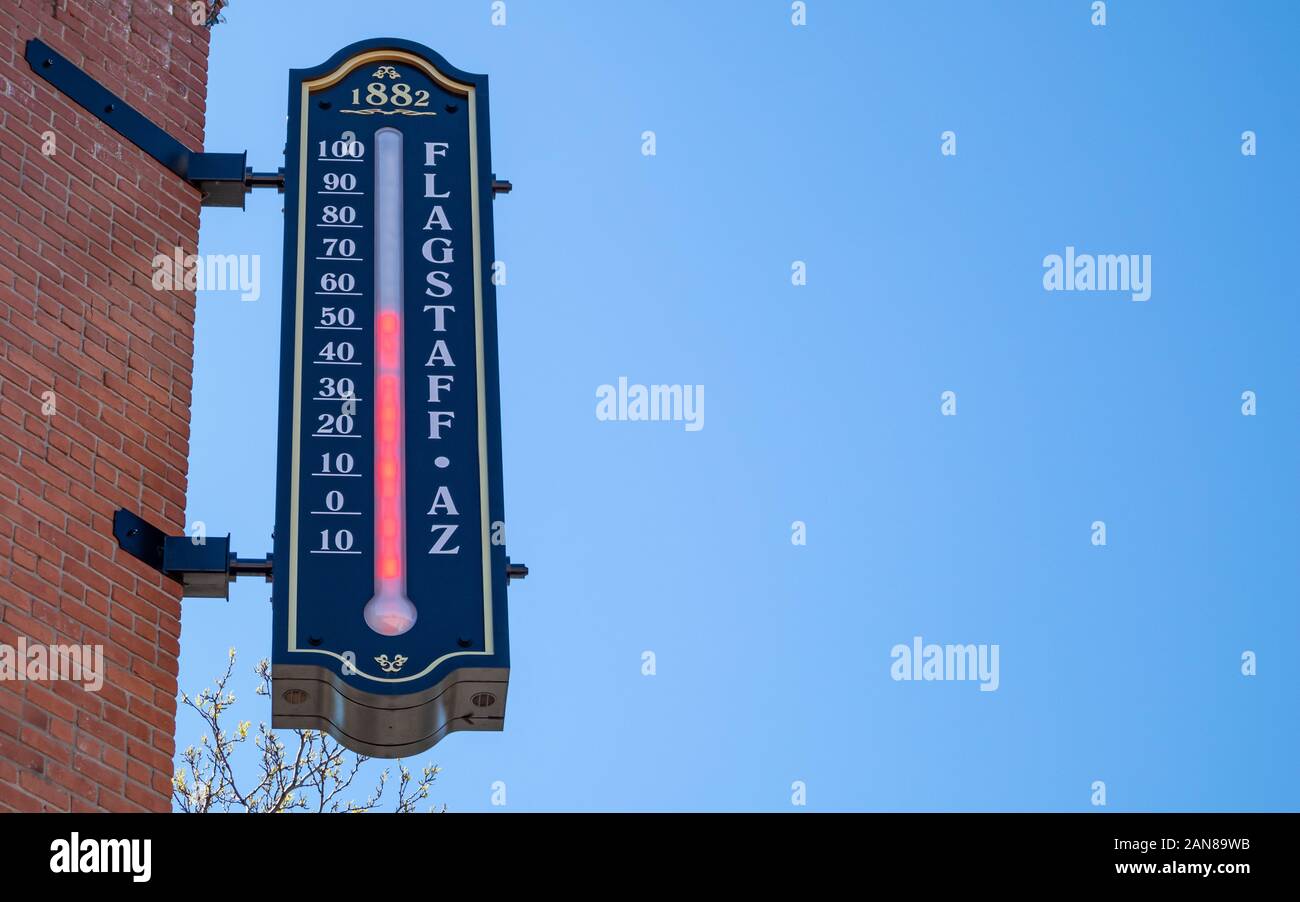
(467, 91)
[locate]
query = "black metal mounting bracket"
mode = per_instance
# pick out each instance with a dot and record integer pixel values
(205, 568)
(224, 178)
(515, 571)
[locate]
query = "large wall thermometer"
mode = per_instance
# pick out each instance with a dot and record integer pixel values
(390, 567)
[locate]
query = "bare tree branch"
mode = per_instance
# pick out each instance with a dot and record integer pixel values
(317, 777)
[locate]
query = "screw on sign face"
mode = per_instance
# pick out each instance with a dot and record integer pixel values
(390, 597)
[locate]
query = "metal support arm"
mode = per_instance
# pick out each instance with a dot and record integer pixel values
(224, 178)
(205, 568)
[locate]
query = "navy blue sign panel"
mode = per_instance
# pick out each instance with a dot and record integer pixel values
(390, 572)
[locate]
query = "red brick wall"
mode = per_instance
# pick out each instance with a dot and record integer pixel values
(78, 316)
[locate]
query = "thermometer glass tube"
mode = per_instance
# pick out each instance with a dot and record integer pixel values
(389, 612)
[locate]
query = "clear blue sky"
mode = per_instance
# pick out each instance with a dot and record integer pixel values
(822, 143)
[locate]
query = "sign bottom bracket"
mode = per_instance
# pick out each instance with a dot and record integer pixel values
(205, 568)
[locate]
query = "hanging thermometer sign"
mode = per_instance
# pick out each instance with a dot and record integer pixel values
(390, 567)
